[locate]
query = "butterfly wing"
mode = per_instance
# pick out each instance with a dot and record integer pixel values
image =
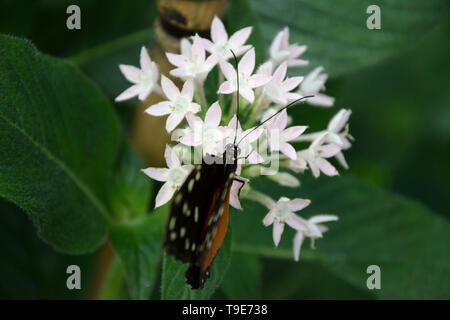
(197, 223)
(214, 234)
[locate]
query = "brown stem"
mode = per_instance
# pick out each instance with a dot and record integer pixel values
(105, 260)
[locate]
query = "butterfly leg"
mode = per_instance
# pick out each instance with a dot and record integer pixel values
(246, 157)
(242, 185)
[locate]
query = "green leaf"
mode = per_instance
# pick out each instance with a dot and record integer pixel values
(336, 31)
(59, 138)
(130, 189)
(174, 285)
(44, 22)
(243, 280)
(139, 246)
(405, 239)
(235, 20)
(29, 268)
(306, 281)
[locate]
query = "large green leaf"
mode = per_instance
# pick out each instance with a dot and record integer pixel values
(174, 285)
(307, 280)
(139, 245)
(405, 239)
(58, 139)
(29, 268)
(336, 32)
(129, 191)
(243, 279)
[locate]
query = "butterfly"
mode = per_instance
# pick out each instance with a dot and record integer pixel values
(198, 220)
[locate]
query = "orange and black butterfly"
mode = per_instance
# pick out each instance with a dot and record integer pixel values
(198, 220)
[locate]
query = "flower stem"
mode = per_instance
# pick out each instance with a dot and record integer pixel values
(106, 258)
(199, 96)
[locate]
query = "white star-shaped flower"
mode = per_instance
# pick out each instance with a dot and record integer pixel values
(278, 88)
(209, 133)
(173, 176)
(192, 62)
(177, 105)
(247, 81)
(314, 230)
(335, 126)
(144, 79)
(313, 83)
(281, 51)
(317, 153)
(283, 212)
(279, 136)
(221, 45)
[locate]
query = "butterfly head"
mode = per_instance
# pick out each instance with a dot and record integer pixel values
(231, 153)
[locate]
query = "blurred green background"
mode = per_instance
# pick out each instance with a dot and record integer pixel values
(396, 82)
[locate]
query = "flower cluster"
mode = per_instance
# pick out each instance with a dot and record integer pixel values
(263, 130)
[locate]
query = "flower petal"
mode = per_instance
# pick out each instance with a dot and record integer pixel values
(297, 223)
(130, 72)
(226, 88)
(170, 89)
(198, 51)
(145, 93)
(129, 93)
(341, 159)
(159, 174)
(234, 202)
(247, 63)
(297, 63)
(193, 121)
(174, 120)
(228, 71)
(214, 114)
(218, 32)
(239, 37)
(292, 83)
(278, 228)
(171, 158)
(164, 194)
(329, 150)
(293, 132)
(258, 80)
(145, 61)
(288, 150)
(298, 204)
(280, 73)
(298, 241)
(268, 219)
(276, 44)
(339, 120)
(176, 59)
(326, 167)
(281, 120)
(320, 218)
(188, 90)
(159, 109)
(247, 94)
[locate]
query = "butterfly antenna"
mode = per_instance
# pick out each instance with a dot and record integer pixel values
(275, 114)
(237, 102)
